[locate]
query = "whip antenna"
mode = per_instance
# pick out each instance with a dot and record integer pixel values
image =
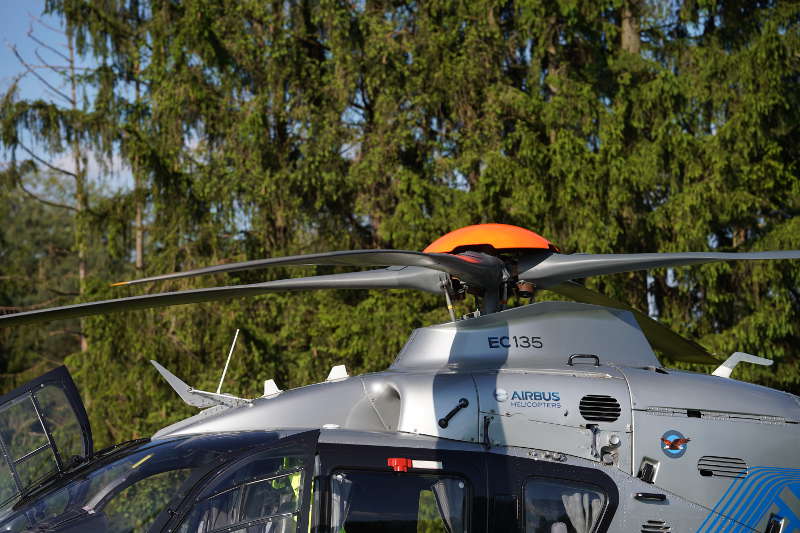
(230, 353)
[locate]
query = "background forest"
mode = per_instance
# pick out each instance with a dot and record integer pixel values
(263, 128)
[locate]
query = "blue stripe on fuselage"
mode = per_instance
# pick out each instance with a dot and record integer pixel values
(748, 499)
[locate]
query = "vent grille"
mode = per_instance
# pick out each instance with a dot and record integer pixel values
(653, 526)
(599, 408)
(713, 466)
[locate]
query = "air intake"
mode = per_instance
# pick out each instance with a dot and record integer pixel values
(713, 466)
(653, 526)
(599, 408)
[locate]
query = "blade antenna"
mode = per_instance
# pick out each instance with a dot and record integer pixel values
(225, 370)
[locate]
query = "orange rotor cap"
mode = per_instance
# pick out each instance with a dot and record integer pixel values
(498, 236)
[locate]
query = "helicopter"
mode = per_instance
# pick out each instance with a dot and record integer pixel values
(550, 417)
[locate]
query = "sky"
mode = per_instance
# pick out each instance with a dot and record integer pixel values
(15, 21)
(17, 18)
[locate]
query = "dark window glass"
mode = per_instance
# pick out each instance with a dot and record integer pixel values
(397, 503)
(138, 506)
(261, 494)
(21, 429)
(562, 506)
(126, 493)
(24, 440)
(62, 422)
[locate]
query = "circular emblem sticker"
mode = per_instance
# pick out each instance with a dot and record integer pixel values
(500, 395)
(674, 444)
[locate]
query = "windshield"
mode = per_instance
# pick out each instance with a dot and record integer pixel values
(125, 492)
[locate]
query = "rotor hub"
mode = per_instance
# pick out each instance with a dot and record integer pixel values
(495, 237)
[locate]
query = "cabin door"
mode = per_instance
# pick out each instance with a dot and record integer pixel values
(375, 489)
(545, 496)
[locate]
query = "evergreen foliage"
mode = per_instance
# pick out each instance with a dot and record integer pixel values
(265, 128)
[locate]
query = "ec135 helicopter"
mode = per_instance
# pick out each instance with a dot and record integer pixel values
(552, 417)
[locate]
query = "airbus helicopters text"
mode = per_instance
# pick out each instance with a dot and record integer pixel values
(551, 417)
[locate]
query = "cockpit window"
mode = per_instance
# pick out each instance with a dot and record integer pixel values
(124, 493)
(260, 494)
(363, 502)
(43, 431)
(562, 506)
(138, 506)
(28, 449)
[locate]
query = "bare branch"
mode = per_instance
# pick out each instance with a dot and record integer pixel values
(44, 201)
(70, 332)
(38, 76)
(45, 163)
(56, 169)
(44, 24)
(45, 45)
(44, 64)
(61, 293)
(43, 362)
(58, 67)
(50, 94)
(19, 309)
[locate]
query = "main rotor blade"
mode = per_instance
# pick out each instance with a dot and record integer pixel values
(556, 268)
(391, 278)
(473, 268)
(671, 344)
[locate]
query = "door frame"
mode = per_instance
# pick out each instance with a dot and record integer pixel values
(506, 477)
(469, 465)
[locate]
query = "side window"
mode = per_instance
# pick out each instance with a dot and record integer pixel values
(363, 502)
(562, 506)
(260, 494)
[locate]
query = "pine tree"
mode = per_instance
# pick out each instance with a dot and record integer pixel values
(271, 128)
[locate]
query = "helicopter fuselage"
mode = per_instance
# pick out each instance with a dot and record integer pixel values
(689, 451)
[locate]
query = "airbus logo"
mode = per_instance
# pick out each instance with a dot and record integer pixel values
(527, 398)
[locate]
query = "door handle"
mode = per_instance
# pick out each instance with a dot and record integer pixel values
(462, 404)
(574, 356)
(650, 497)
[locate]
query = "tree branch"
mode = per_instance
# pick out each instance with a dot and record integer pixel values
(61, 293)
(42, 200)
(45, 25)
(43, 44)
(15, 309)
(57, 68)
(36, 197)
(36, 74)
(71, 332)
(52, 68)
(45, 163)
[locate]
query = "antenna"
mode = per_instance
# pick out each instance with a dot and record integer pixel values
(446, 287)
(230, 353)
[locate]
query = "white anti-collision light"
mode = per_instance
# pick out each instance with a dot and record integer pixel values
(270, 388)
(337, 372)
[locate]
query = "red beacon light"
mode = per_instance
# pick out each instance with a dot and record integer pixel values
(399, 464)
(498, 236)
(402, 464)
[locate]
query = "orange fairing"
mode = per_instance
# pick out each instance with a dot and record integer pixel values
(498, 236)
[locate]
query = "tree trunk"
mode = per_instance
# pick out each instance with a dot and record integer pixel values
(138, 194)
(81, 194)
(631, 40)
